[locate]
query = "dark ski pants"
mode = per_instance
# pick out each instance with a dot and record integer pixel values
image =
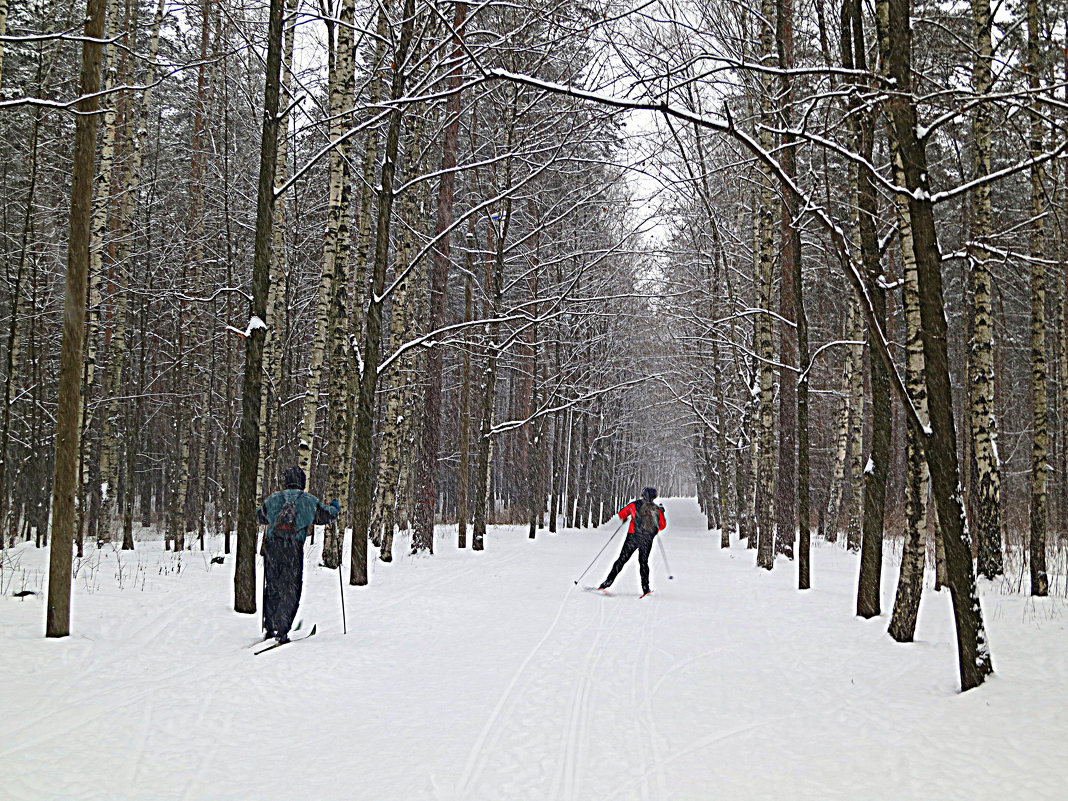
(283, 578)
(643, 544)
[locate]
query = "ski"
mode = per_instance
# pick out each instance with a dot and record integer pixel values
(597, 589)
(266, 637)
(644, 594)
(279, 644)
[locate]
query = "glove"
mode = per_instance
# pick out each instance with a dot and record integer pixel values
(334, 503)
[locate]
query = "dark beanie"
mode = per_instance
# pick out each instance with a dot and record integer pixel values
(649, 493)
(293, 478)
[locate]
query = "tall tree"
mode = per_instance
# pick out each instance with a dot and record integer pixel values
(68, 433)
(973, 652)
(987, 491)
(763, 344)
(372, 345)
(1039, 402)
(245, 571)
(426, 482)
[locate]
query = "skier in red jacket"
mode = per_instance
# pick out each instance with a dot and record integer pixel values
(646, 521)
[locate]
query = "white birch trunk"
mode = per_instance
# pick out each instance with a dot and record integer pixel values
(981, 364)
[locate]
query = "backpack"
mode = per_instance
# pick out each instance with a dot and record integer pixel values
(285, 524)
(647, 517)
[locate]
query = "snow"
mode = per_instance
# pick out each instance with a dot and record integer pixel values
(254, 323)
(491, 676)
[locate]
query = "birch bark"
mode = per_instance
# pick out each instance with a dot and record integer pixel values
(764, 344)
(981, 378)
(973, 652)
(341, 401)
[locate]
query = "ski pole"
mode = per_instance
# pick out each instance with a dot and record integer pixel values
(598, 556)
(263, 593)
(341, 583)
(663, 553)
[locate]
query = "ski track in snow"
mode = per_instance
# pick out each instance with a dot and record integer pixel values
(490, 677)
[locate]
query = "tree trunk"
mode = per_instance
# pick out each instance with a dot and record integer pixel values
(426, 482)
(342, 363)
(325, 322)
(272, 352)
(68, 429)
(245, 571)
(786, 485)
(1040, 441)
(364, 430)
(917, 482)
(763, 344)
(495, 291)
(462, 479)
(987, 489)
(941, 444)
(389, 462)
(842, 447)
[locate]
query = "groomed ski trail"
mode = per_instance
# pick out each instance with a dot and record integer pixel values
(492, 677)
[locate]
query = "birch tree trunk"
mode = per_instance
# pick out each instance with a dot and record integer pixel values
(98, 227)
(917, 478)
(135, 135)
(987, 490)
(342, 363)
(973, 652)
(337, 211)
(721, 412)
(389, 462)
(855, 486)
(764, 344)
(842, 440)
(3, 32)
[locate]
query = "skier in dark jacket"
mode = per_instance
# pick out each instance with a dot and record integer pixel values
(646, 521)
(287, 515)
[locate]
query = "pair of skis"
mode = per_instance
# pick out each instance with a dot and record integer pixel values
(274, 645)
(606, 592)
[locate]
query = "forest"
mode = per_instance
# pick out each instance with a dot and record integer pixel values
(486, 263)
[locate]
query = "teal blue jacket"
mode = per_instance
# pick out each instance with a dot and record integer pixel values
(310, 510)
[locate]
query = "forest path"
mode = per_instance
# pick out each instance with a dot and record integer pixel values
(492, 676)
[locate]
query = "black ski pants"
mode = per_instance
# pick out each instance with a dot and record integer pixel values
(635, 541)
(283, 579)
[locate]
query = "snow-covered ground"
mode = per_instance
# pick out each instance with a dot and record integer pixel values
(491, 676)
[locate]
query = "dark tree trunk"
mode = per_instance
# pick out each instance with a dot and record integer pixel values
(426, 481)
(68, 436)
(245, 570)
(365, 414)
(786, 485)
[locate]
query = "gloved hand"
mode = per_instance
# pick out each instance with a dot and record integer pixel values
(335, 504)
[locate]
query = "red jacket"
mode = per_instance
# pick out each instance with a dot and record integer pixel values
(631, 511)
